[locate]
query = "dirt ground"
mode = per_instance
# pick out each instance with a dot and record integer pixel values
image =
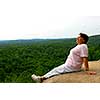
(78, 77)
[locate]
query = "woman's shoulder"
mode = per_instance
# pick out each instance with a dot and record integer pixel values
(83, 46)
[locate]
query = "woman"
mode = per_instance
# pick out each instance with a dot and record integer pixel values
(78, 56)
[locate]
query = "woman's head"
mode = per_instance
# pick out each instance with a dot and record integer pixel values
(82, 38)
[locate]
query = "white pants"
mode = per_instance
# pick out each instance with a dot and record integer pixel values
(59, 70)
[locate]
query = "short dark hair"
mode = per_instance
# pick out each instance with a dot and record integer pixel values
(85, 37)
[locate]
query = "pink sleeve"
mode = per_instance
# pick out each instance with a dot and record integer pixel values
(84, 51)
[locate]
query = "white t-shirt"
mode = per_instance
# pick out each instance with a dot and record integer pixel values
(74, 60)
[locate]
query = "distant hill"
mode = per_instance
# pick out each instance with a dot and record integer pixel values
(92, 40)
(21, 41)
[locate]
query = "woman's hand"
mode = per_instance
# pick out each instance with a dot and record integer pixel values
(91, 72)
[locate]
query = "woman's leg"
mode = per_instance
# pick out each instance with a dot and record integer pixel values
(58, 70)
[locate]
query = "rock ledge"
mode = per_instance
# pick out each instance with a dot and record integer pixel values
(78, 77)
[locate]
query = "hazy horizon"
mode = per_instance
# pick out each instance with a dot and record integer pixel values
(42, 38)
(29, 19)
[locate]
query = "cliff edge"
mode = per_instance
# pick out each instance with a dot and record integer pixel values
(78, 77)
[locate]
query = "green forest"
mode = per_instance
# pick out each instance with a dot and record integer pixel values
(19, 59)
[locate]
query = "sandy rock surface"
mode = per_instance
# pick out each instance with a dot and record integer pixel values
(78, 77)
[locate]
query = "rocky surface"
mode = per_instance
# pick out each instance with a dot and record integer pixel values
(78, 77)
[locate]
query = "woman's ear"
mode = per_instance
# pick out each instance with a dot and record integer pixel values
(83, 41)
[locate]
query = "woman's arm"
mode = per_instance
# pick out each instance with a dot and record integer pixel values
(85, 62)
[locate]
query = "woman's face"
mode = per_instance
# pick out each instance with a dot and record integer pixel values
(80, 40)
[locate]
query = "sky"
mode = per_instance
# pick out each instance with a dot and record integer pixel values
(28, 19)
